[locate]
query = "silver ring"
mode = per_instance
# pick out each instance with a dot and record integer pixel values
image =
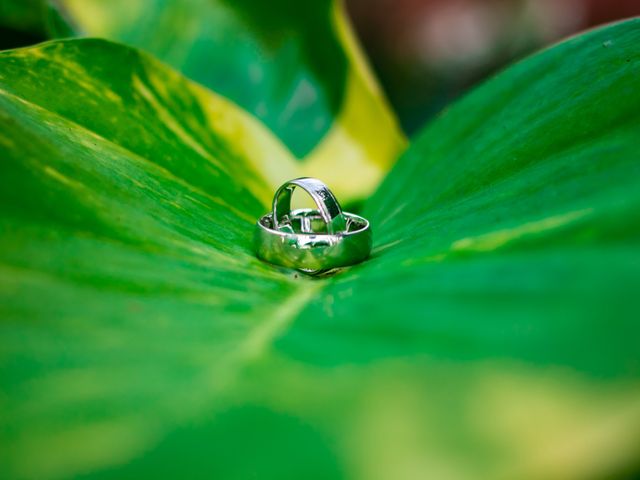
(311, 240)
(327, 204)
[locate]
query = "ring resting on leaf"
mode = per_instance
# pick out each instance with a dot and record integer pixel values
(311, 240)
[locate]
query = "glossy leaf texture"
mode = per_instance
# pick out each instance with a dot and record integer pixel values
(294, 65)
(491, 335)
(122, 209)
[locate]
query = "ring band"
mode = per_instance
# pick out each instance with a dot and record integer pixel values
(311, 240)
(326, 202)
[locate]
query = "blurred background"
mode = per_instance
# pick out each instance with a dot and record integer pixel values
(425, 52)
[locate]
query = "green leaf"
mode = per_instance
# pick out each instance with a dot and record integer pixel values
(28, 22)
(21, 14)
(26, 17)
(128, 201)
(491, 335)
(294, 65)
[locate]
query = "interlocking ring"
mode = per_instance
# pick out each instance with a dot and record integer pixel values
(311, 240)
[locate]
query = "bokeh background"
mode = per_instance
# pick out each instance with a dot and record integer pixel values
(426, 53)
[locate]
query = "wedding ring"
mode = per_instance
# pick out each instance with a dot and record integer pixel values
(311, 240)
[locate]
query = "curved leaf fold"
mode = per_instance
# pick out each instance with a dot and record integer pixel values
(294, 65)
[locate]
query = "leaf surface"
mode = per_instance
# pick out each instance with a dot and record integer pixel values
(121, 210)
(491, 335)
(294, 65)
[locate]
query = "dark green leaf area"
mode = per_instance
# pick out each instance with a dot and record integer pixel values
(300, 34)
